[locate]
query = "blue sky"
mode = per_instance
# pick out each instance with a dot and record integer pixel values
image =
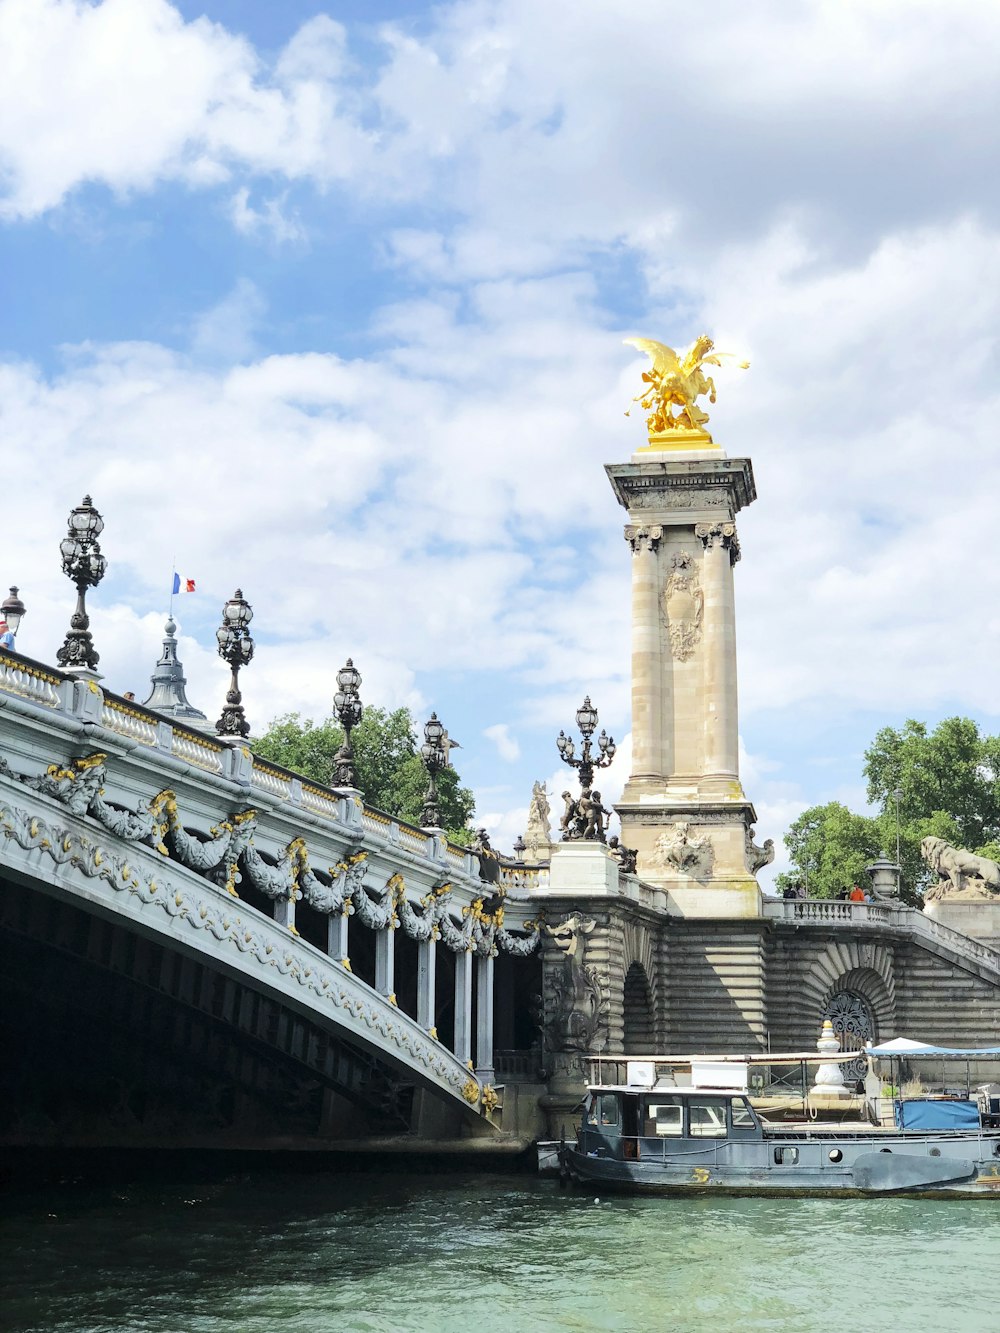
(327, 301)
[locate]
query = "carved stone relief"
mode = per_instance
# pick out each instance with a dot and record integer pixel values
(680, 848)
(683, 606)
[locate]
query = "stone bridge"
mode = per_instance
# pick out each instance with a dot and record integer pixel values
(203, 947)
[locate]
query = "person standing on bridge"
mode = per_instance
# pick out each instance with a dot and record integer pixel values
(6, 637)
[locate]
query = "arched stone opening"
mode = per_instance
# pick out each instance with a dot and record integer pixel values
(640, 1031)
(859, 1007)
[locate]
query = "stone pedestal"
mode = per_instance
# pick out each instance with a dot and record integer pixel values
(683, 808)
(582, 868)
(979, 920)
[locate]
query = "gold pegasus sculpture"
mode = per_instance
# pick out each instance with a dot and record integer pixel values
(676, 379)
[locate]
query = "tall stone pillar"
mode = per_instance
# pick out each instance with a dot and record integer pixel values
(683, 807)
(722, 763)
(647, 736)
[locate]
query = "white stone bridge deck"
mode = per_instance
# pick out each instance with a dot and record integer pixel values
(297, 891)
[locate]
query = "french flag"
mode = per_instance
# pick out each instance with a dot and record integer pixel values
(183, 585)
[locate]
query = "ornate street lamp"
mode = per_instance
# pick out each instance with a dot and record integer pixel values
(435, 757)
(83, 565)
(347, 707)
(586, 720)
(235, 647)
(520, 847)
(13, 610)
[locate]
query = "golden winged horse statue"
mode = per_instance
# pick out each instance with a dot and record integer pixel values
(676, 379)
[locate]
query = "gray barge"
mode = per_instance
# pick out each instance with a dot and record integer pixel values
(654, 1135)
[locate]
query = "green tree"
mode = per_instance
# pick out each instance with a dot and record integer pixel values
(830, 847)
(390, 771)
(948, 781)
(952, 770)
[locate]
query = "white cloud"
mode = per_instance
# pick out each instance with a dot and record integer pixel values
(507, 746)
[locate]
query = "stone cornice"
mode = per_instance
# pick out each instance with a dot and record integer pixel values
(726, 483)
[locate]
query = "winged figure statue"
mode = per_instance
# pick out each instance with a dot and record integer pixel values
(676, 379)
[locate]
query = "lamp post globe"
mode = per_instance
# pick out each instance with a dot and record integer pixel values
(236, 647)
(435, 758)
(13, 610)
(348, 709)
(85, 566)
(583, 818)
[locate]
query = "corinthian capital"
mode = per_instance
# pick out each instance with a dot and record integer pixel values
(719, 534)
(643, 539)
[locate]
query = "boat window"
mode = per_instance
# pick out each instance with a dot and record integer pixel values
(707, 1120)
(603, 1109)
(742, 1117)
(786, 1156)
(664, 1118)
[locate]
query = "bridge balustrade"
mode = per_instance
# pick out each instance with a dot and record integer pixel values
(276, 840)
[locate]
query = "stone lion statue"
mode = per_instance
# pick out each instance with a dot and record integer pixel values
(960, 873)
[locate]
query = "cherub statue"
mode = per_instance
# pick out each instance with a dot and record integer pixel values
(594, 813)
(570, 815)
(676, 379)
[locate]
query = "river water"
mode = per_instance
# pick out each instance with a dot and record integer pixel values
(281, 1249)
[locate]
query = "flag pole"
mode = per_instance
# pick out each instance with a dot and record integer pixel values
(173, 580)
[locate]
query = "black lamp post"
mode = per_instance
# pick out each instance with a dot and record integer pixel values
(13, 610)
(435, 757)
(520, 846)
(586, 720)
(83, 565)
(347, 707)
(235, 647)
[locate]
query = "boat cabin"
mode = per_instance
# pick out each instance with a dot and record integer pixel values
(618, 1119)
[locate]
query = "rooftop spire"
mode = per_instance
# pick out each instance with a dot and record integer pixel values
(169, 696)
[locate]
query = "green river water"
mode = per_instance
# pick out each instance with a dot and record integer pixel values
(276, 1249)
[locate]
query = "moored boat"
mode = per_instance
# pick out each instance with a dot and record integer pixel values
(656, 1133)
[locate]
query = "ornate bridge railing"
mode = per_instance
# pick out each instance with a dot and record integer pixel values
(102, 798)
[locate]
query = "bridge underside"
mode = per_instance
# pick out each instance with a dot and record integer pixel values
(111, 1038)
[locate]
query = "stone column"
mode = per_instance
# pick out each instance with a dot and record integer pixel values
(336, 937)
(463, 1007)
(648, 759)
(385, 961)
(426, 977)
(721, 721)
(284, 913)
(484, 1020)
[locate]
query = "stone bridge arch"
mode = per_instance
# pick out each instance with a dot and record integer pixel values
(635, 1004)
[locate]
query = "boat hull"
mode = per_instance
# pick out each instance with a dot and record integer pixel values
(875, 1172)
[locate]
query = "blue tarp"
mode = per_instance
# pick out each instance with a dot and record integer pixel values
(929, 1114)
